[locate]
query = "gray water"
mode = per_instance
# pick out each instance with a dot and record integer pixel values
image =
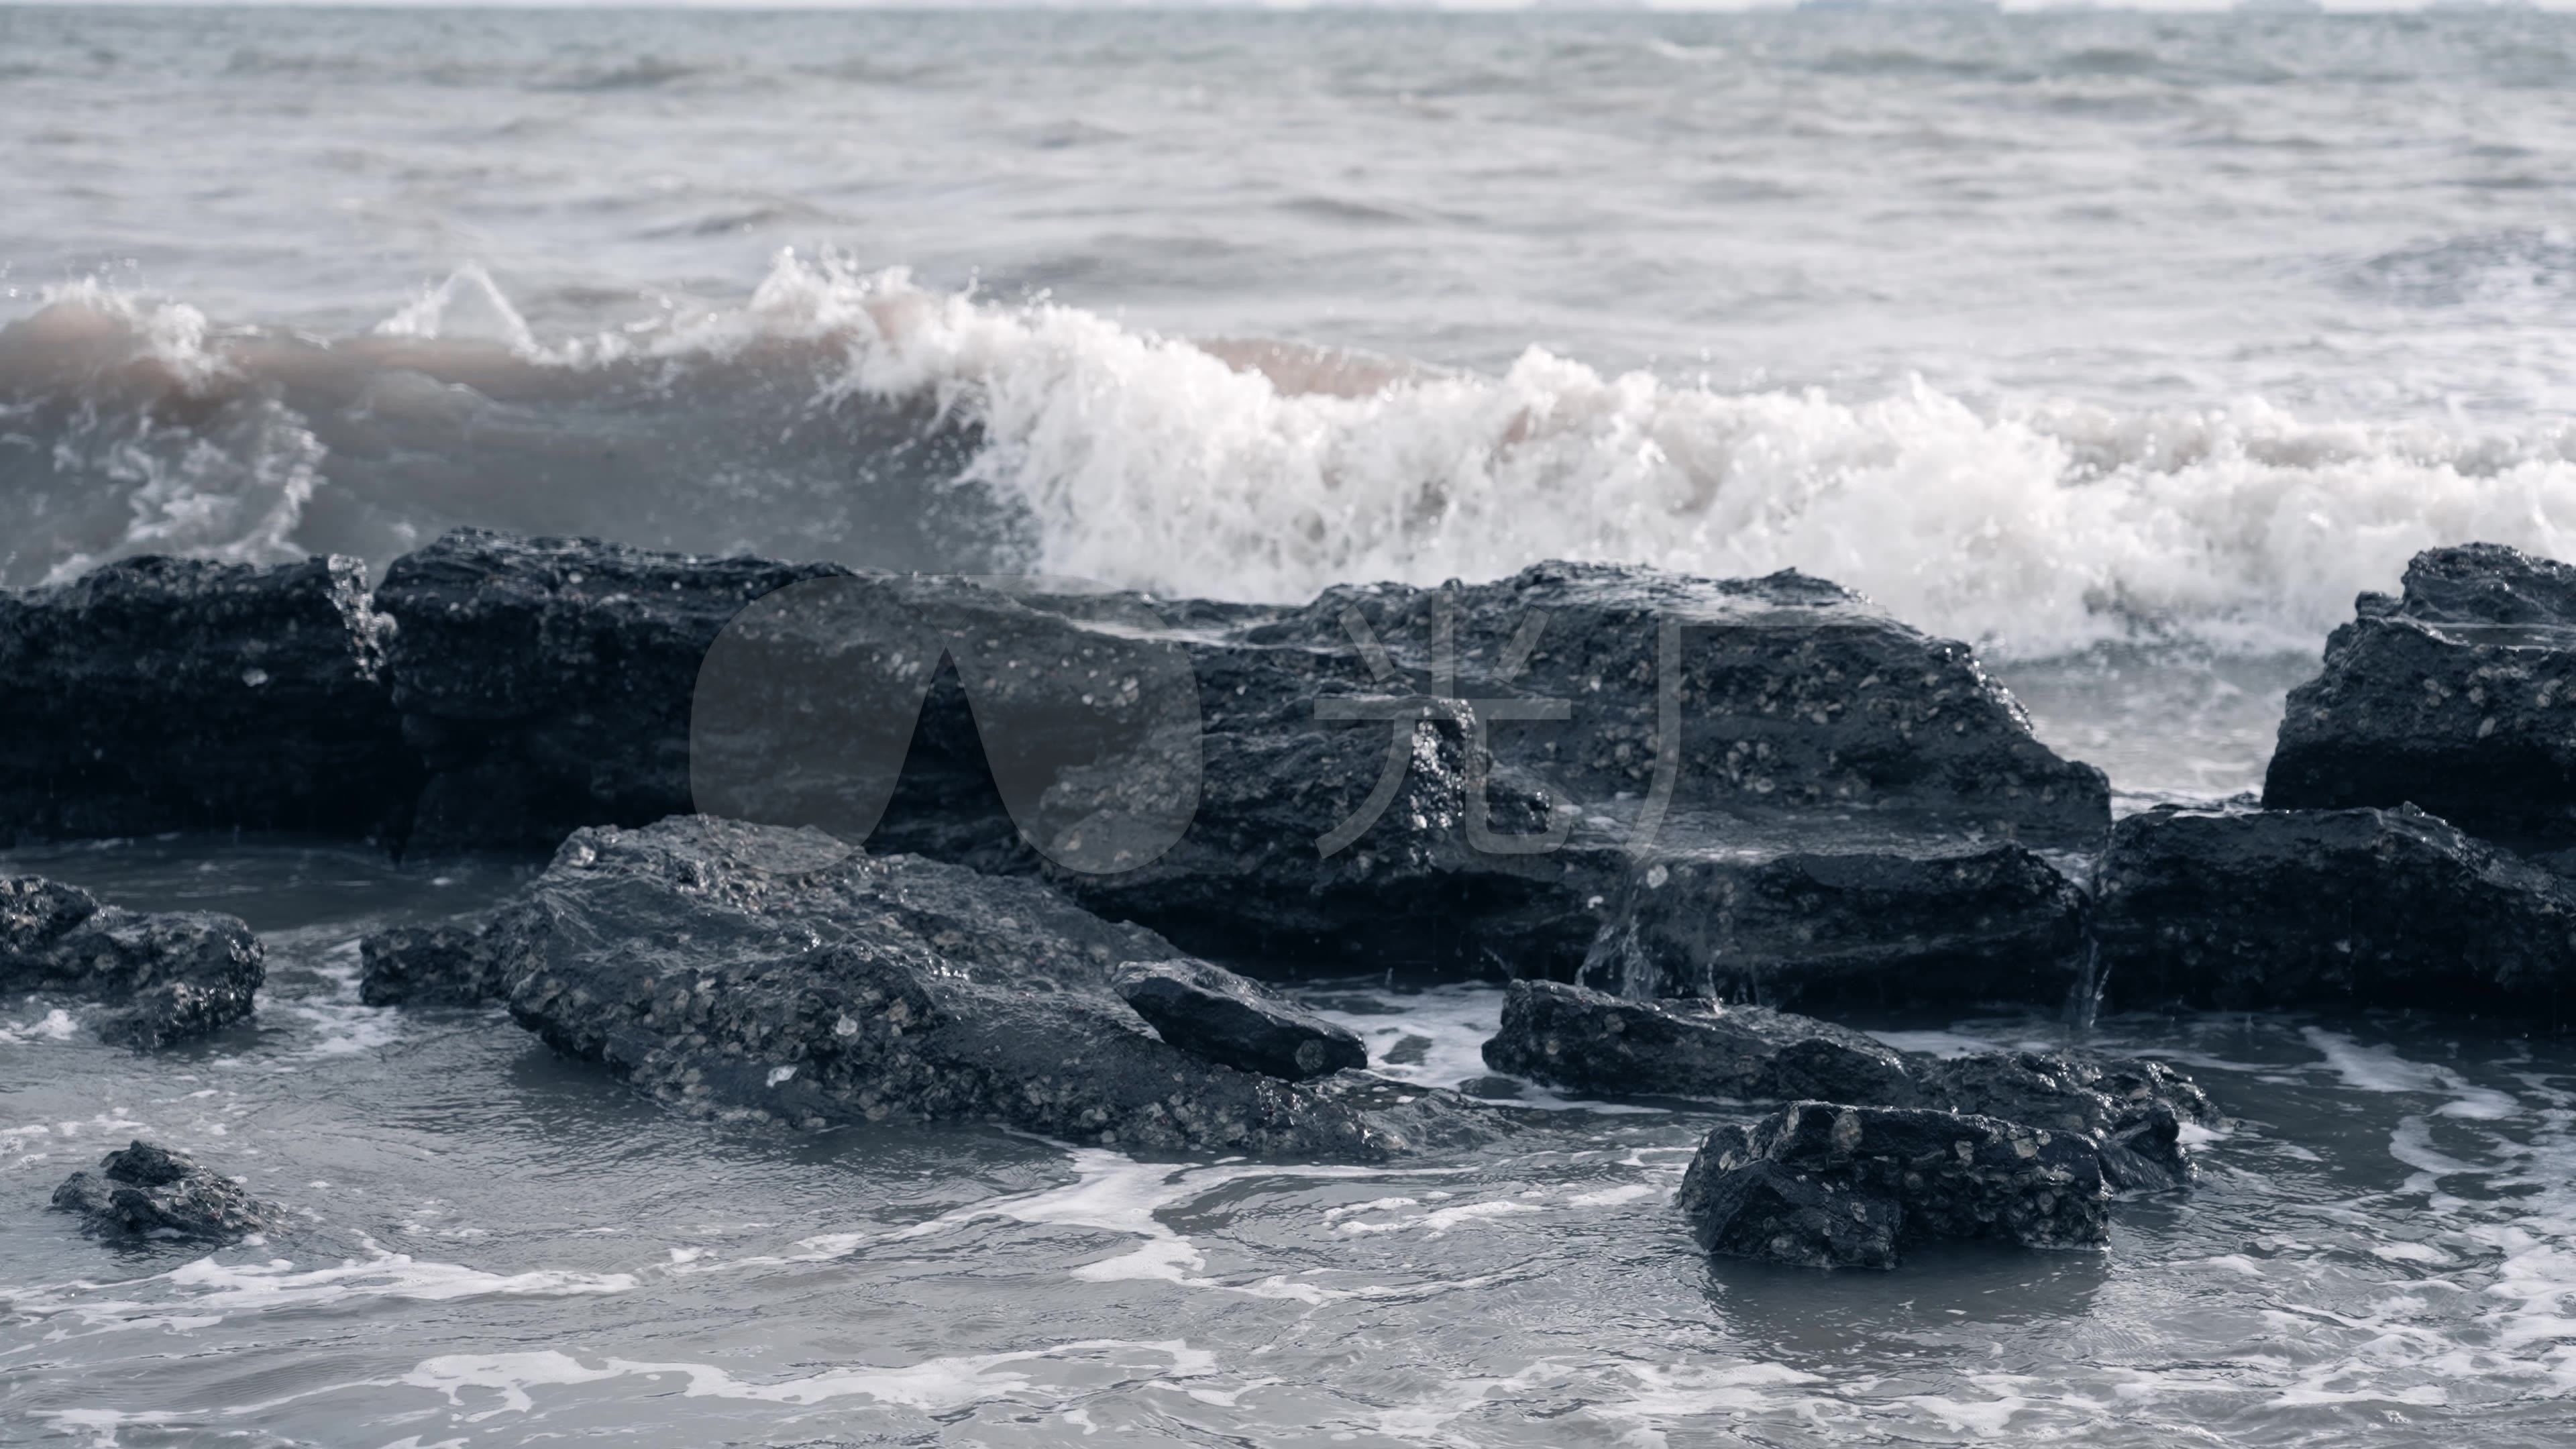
(493, 1246)
(2126, 347)
(2108, 342)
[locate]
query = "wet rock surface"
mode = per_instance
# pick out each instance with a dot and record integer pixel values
(174, 975)
(2457, 696)
(144, 1192)
(158, 694)
(1824, 1186)
(1448, 778)
(1231, 1019)
(1528, 712)
(443, 965)
(544, 684)
(2132, 1111)
(1794, 695)
(2303, 907)
(1875, 918)
(1573, 1037)
(774, 972)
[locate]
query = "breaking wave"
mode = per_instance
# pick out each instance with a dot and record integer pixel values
(852, 414)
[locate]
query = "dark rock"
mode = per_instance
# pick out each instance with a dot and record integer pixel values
(158, 694)
(1573, 1037)
(2132, 1110)
(1879, 919)
(2456, 697)
(1218, 772)
(2326, 907)
(1225, 1018)
(452, 965)
(545, 683)
(145, 1191)
(177, 975)
(1569, 1036)
(775, 973)
(1824, 1186)
(1247, 880)
(1796, 696)
(1804, 712)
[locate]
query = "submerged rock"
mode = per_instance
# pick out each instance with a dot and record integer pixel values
(1227, 1018)
(1881, 918)
(2325, 907)
(774, 972)
(158, 694)
(1573, 1037)
(1818, 1185)
(448, 965)
(176, 975)
(2459, 696)
(1569, 1036)
(145, 1191)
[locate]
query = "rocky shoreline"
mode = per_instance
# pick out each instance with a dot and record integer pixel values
(1064, 837)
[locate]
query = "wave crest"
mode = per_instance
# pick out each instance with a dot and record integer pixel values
(843, 412)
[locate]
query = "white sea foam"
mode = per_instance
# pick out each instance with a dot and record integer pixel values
(204, 1292)
(54, 1025)
(2033, 526)
(467, 307)
(2381, 1069)
(2026, 523)
(1120, 1194)
(933, 1386)
(226, 473)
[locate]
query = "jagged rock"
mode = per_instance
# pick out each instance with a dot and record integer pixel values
(1804, 712)
(774, 972)
(1217, 772)
(1570, 1036)
(1823, 1186)
(1874, 918)
(177, 975)
(1226, 1018)
(1247, 879)
(2132, 1110)
(2458, 696)
(451, 965)
(2323, 907)
(157, 694)
(1796, 695)
(545, 683)
(1573, 1037)
(145, 1191)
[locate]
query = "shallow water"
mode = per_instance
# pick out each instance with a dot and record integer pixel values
(493, 1246)
(2126, 347)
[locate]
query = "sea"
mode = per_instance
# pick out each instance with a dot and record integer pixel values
(2126, 347)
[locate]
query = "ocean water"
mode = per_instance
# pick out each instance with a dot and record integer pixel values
(2127, 347)
(492, 1246)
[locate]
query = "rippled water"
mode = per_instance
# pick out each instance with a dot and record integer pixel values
(2117, 344)
(2127, 347)
(493, 1246)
